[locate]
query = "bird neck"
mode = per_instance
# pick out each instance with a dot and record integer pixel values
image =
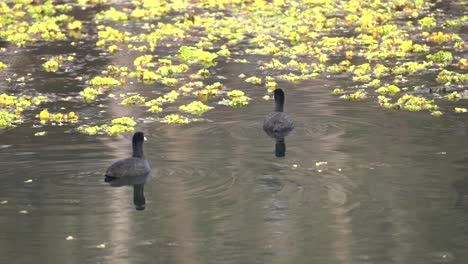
(137, 150)
(279, 104)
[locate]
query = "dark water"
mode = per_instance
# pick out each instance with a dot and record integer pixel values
(218, 194)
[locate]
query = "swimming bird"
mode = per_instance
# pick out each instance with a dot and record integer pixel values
(131, 171)
(278, 124)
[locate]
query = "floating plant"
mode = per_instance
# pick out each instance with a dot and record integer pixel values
(388, 47)
(195, 108)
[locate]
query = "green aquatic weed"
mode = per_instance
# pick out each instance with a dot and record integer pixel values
(104, 82)
(254, 80)
(456, 22)
(428, 23)
(89, 94)
(108, 36)
(146, 76)
(155, 109)
(167, 98)
(416, 103)
(144, 61)
(169, 81)
(338, 91)
(124, 121)
(236, 99)
(112, 15)
(195, 108)
(441, 57)
(133, 100)
(8, 119)
(447, 77)
(460, 110)
(357, 96)
(53, 64)
(56, 118)
(175, 119)
(3, 66)
(224, 52)
(118, 126)
(454, 96)
(12, 101)
(193, 55)
(89, 130)
(388, 90)
(462, 64)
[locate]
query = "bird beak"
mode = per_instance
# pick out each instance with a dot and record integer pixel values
(145, 139)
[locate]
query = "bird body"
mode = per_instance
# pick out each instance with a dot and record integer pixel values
(128, 171)
(131, 171)
(278, 124)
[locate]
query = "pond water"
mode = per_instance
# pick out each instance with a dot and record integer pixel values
(219, 194)
(358, 184)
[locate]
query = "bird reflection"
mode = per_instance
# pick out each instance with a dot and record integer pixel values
(461, 188)
(278, 124)
(131, 171)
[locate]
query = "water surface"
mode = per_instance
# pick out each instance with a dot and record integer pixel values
(219, 194)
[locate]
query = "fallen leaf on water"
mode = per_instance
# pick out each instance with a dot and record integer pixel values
(320, 163)
(103, 245)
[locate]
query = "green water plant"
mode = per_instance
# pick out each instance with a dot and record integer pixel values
(56, 118)
(454, 96)
(193, 55)
(416, 103)
(3, 66)
(117, 127)
(104, 82)
(390, 90)
(133, 100)
(52, 65)
(460, 110)
(112, 14)
(236, 99)
(8, 119)
(176, 119)
(441, 57)
(195, 108)
(89, 94)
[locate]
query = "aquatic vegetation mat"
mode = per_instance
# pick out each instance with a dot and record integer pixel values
(167, 57)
